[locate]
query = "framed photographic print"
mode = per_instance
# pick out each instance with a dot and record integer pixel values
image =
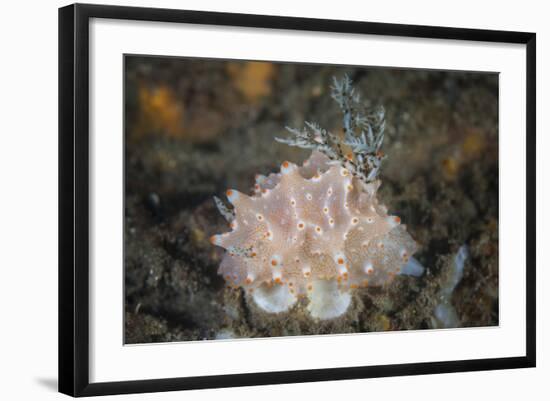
(249, 199)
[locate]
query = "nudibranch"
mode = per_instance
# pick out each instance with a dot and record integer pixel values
(313, 231)
(318, 231)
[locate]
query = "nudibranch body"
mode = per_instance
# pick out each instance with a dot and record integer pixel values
(314, 230)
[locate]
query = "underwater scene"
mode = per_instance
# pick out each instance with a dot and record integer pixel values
(267, 199)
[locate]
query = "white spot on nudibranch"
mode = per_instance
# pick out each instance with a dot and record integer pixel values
(216, 240)
(249, 278)
(287, 167)
(340, 258)
(277, 276)
(368, 268)
(343, 271)
(276, 260)
(393, 221)
(232, 195)
(341, 264)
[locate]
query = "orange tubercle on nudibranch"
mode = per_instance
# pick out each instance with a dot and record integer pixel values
(215, 240)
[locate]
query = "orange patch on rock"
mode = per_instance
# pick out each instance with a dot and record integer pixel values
(252, 79)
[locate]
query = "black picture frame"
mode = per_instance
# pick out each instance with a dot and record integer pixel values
(74, 198)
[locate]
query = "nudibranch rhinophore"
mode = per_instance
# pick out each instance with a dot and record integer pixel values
(315, 230)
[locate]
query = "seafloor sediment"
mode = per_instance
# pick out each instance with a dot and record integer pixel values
(195, 128)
